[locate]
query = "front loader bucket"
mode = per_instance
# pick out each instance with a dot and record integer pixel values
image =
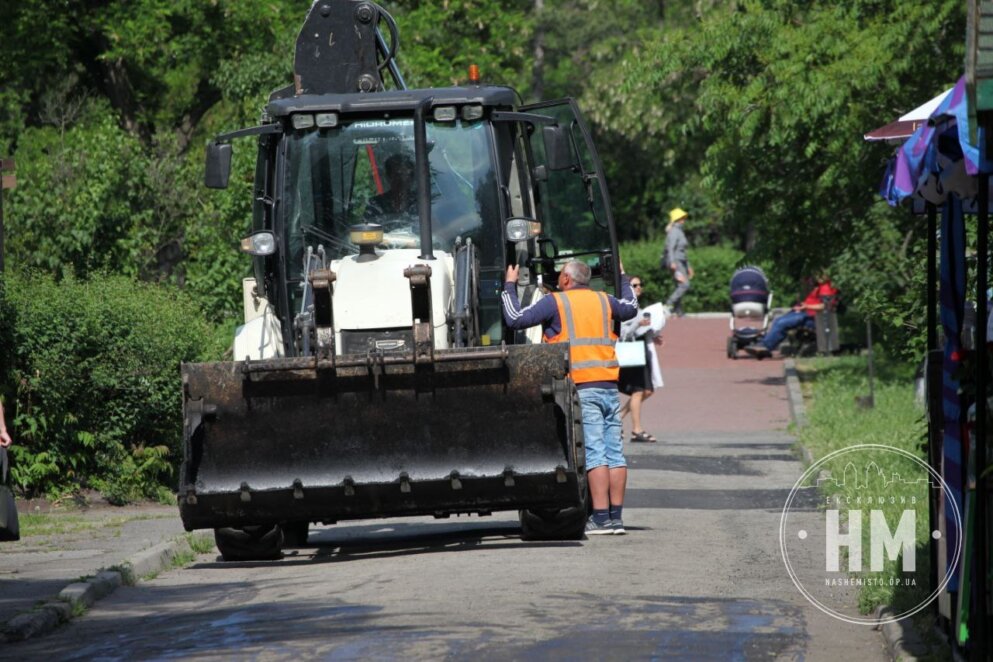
(294, 439)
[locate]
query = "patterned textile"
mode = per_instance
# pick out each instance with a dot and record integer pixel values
(943, 140)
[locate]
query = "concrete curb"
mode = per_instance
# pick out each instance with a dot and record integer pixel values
(708, 316)
(902, 641)
(78, 596)
(797, 410)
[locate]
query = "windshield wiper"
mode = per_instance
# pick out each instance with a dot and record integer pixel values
(319, 233)
(332, 241)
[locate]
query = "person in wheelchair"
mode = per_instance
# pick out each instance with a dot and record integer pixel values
(802, 315)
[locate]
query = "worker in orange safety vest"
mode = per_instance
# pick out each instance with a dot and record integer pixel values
(585, 318)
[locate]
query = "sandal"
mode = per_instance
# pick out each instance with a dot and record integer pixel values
(643, 437)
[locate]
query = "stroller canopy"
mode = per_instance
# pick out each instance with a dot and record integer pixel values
(749, 284)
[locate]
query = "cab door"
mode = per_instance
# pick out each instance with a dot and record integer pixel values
(573, 203)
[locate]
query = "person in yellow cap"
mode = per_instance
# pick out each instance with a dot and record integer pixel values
(675, 259)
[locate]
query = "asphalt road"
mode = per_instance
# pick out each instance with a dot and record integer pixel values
(699, 575)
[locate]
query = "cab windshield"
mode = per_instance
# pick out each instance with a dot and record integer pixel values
(363, 172)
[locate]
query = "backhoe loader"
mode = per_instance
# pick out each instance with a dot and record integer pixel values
(373, 376)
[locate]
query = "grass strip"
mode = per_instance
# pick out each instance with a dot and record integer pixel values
(836, 390)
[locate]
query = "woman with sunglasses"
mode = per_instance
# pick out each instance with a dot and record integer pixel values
(640, 382)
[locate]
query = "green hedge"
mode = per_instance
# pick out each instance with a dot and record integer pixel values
(94, 374)
(713, 267)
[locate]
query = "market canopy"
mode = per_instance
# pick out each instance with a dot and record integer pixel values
(905, 126)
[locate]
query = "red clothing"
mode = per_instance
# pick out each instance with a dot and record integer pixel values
(815, 297)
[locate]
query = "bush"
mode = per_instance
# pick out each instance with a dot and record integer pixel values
(95, 366)
(91, 198)
(712, 265)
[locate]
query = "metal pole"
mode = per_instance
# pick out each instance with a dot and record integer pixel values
(423, 172)
(979, 625)
(932, 276)
(872, 370)
(933, 419)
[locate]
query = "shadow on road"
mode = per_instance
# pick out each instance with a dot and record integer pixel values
(391, 539)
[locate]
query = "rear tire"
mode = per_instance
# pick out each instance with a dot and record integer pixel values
(732, 348)
(250, 543)
(295, 534)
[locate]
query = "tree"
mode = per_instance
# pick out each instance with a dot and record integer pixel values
(757, 112)
(440, 40)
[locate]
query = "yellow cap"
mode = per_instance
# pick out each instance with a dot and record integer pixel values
(676, 214)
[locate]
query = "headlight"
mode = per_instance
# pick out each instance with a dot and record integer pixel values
(327, 120)
(470, 113)
(521, 229)
(444, 114)
(259, 243)
(303, 121)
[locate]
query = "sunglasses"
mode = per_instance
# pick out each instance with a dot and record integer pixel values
(635, 284)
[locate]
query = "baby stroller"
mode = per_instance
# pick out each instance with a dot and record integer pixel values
(750, 302)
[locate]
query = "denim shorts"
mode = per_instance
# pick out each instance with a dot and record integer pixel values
(602, 427)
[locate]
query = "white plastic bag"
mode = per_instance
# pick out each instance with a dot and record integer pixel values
(657, 314)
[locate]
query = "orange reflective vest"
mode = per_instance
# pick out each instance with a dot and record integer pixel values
(587, 325)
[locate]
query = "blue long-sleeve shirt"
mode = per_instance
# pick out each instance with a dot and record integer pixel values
(546, 313)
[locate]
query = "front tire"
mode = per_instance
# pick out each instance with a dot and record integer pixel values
(250, 543)
(553, 524)
(563, 523)
(295, 534)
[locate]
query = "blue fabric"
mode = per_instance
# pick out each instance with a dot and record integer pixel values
(954, 105)
(791, 320)
(952, 298)
(602, 428)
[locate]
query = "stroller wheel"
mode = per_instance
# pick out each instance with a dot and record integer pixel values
(732, 348)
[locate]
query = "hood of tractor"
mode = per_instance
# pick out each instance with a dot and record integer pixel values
(373, 294)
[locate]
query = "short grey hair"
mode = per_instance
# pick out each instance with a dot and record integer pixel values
(578, 271)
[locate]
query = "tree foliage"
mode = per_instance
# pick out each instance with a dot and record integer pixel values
(439, 40)
(755, 117)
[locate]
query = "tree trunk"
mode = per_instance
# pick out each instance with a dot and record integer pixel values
(538, 72)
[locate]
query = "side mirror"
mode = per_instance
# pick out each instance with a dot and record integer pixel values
(218, 169)
(558, 147)
(547, 249)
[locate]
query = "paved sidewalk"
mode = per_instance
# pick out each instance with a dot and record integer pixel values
(706, 391)
(717, 482)
(71, 543)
